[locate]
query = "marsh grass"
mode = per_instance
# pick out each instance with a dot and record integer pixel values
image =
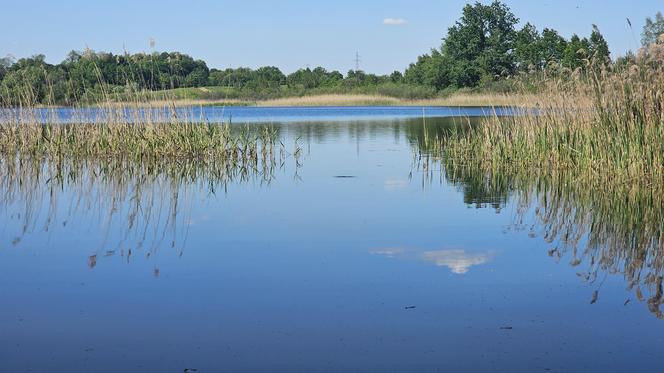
(606, 121)
(586, 172)
(136, 129)
(139, 207)
(455, 99)
(135, 133)
(132, 168)
(617, 133)
(459, 99)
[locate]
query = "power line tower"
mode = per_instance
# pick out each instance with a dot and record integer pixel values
(357, 61)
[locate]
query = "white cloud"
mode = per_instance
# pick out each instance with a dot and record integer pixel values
(394, 21)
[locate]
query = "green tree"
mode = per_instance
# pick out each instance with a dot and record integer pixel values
(552, 46)
(329, 79)
(240, 77)
(268, 77)
(528, 50)
(433, 70)
(304, 78)
(26, 81)
(598, 48)
(396, 77)
(5, 64)
(576, 52)
(652, 29)
(480, 45)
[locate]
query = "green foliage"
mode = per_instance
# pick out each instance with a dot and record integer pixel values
(552, 46)
(480, 45)
(358, 78)
(88, 76)
(268, 76)
(396, 77)
(652, 29)
(528, 50)
(429, 70)
(231, 77)
(576, 51)
(598, 47)
(482, 50)
(27, 79)
(535, 51)
(318, 77)
(5, 64)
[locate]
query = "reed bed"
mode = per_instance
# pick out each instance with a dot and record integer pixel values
(606, 120)
(466, 99)
(459, 99)
(583, 163)
(133, 132)
(140, 206)
(456, 99)
(333, 100)
(136, 129)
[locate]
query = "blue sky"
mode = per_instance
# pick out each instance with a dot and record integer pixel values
(287, 34)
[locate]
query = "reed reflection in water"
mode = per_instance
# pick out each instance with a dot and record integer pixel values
(140, 206)
(599, 226)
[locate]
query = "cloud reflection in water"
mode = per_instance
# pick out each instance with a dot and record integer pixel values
(459, 261)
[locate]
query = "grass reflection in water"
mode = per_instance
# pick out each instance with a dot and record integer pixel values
(141, 206)
(599, 225)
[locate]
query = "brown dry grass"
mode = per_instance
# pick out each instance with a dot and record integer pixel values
(458, 99)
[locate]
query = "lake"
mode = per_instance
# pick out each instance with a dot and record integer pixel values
(351, 248)
(243, 115)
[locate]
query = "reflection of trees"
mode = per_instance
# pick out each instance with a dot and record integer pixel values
(418, 131)
(140, 206)
(426, 134)
(604, 226)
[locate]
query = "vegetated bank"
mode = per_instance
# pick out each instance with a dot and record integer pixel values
(606, 121)
(486, 51)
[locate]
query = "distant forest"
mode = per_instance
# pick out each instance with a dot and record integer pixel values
(482, 50)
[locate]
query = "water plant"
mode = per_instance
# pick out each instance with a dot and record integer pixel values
(607, 121)
(143, 205)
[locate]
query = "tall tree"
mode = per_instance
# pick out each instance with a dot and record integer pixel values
(528, 48)
(652, 29)
(576, 52)
(432, 70)
(5, 64)
(598, 47)
(552, 45)
(480, 45)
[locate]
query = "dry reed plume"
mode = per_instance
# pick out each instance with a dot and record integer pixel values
(605, 121)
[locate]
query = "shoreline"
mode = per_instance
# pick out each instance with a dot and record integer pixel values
(352, 100)
(331, 100)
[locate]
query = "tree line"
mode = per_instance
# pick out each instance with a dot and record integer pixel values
(483, 47)
(90, 76)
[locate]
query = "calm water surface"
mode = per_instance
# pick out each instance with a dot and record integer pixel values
(348, 252)
(239, 114)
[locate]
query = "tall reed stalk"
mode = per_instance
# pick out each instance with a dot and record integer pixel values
(605, 120)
